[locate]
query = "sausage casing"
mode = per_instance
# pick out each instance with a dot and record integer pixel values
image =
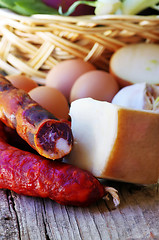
(50, 137)
(33, 175)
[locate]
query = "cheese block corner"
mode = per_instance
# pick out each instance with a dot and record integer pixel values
(114, 142)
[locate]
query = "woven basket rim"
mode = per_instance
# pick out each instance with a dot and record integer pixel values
(33, 45)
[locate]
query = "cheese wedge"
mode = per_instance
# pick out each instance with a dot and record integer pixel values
(114, 142)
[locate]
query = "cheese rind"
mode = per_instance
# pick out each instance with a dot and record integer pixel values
(114, 142)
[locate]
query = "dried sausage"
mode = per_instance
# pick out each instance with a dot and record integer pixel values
(50, 137)
(33, 175)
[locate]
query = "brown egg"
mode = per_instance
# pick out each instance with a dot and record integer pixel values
(22, 82)
(65, 73)
(52, 100)
(96, 84)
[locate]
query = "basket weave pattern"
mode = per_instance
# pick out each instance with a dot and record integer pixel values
(34, 45)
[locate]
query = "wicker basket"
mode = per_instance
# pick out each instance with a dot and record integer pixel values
(34, 45)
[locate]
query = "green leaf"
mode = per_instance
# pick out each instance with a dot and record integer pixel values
(28, 7)
(7, 3)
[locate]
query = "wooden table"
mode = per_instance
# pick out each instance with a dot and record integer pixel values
(28, 218)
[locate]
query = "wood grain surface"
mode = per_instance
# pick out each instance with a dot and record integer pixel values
(28, 218)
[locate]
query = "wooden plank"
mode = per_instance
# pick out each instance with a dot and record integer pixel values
(9, 228)
(28, 218)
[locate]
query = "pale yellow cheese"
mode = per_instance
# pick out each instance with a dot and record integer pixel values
(114, 142)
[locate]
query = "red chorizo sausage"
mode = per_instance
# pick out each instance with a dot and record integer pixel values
(33, 175)
(50, 137)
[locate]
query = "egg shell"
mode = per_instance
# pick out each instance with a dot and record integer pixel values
(52, 100)
(96, 84)
(65, 73)
(22, 82)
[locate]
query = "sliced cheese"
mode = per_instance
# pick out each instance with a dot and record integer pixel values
(114, 142)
